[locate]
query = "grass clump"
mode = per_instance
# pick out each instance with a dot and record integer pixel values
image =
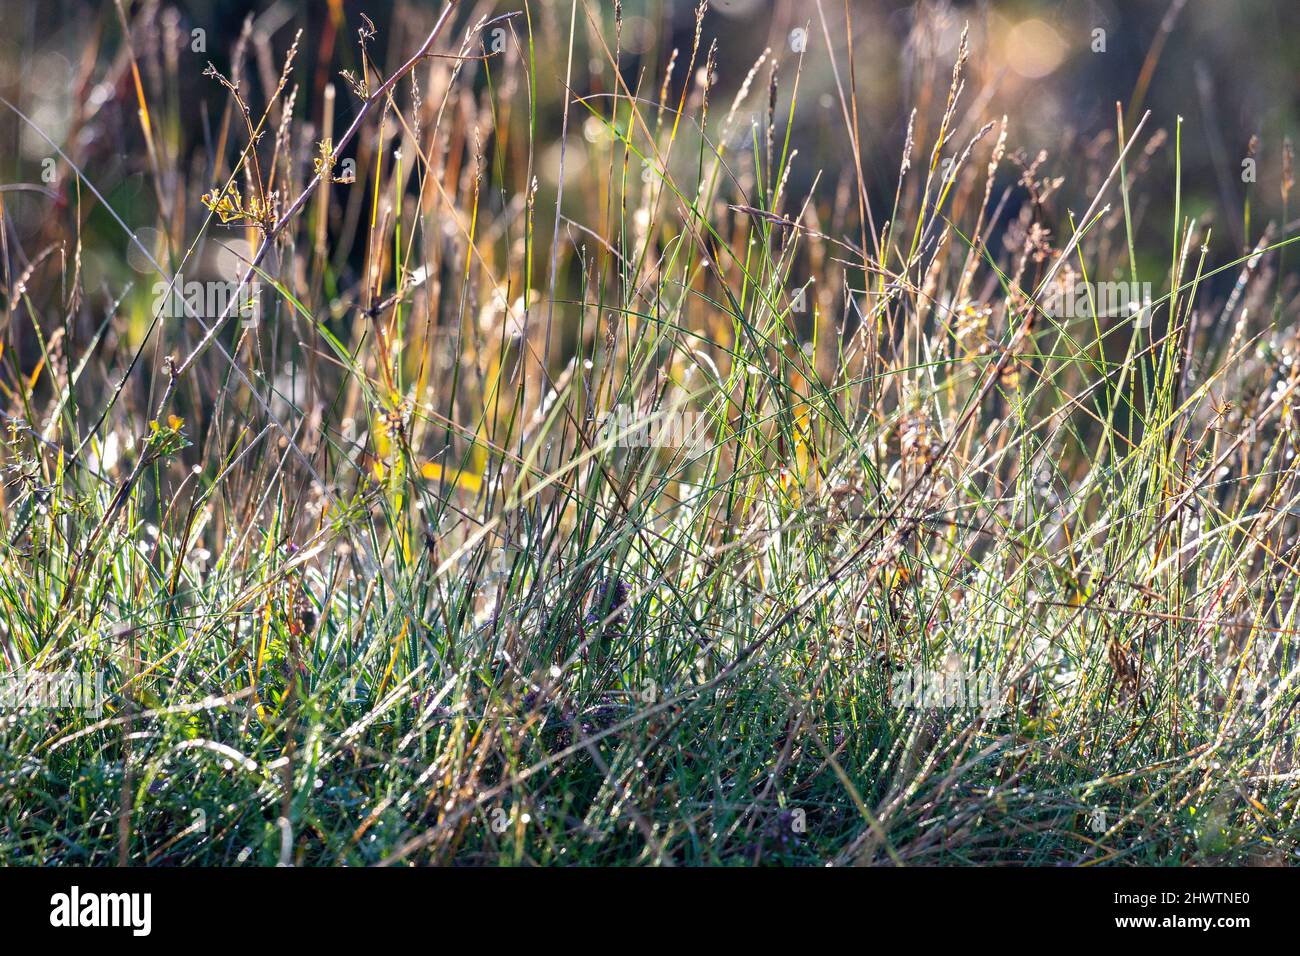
(591, 478)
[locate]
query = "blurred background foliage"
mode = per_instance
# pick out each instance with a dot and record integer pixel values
(1229, 69)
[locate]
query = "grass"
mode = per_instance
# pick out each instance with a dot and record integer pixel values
(371, 580)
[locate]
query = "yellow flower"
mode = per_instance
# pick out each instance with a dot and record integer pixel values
(465, 480)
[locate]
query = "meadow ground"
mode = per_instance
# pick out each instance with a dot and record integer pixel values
(460, 434)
